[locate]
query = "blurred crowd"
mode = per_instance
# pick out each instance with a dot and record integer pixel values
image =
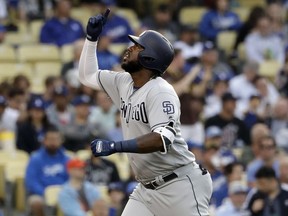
(234, 116)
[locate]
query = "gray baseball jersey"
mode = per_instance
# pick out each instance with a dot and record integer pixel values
(142, 110)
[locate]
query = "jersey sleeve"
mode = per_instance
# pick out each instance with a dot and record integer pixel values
(163, 108)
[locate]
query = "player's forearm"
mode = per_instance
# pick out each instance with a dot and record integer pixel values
(88, 65)
(148, 143)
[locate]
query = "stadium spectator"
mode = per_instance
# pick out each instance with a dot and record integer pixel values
(213, 101)
(217, 20)
(69, 70)
(279, 116)
(61, 29)
(100, 208)
(210, 68)
(268, 93)
(244, 81)
(258, 131)
(269, 199)
(77, 196)
(30, 133)
(161, 21)
(104, 112)
(116, 133)
(262, 44)
(3, 105)
(2, 33)
(106, 59)
(192, 128)
(117, 27)
(189, 43)
(267, 157)
(78, 133)
(22, 82)
(234, 205)
(234, 131)
(283, 176)
(35, 10)
(116, 193)
(60, 113)
(47, 166)
(248, 26)
(100, 171)
(15, 110)
(281, 81)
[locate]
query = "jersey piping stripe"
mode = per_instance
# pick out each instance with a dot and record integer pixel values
(99, 72)
(197, 204)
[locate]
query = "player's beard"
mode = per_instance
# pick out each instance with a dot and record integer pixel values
(132, 66)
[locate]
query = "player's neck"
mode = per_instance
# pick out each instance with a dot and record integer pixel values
(141, 77)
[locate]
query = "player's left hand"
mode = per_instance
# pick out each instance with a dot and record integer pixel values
(102, 147)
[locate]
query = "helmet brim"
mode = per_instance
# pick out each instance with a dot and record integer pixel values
(134, 39)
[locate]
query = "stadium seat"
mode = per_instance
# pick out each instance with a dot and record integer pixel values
(41, 71)
(35, 29)
(103, 189)
(130, 16)
(122, 164)
(20, 194)
(226, 40)
(191, 15)
(252, 3)
(38, 52)
(7, 54)
(10, 70)
(67, 53)
(51, 197)
(269, 69)
(241, 51)
(18, 38)
(82, 14)
(242, 12)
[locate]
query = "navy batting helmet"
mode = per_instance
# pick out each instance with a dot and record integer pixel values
(158, 52)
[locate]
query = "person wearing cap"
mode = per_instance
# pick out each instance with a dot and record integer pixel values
(118, 27)
(116, 193)
(234, 131)
(79, 131)
(209, 68)
(189, 43)
(269, 198)
(60, 112)
(61, 29)
(30, 133)
(234, 204)
(77, 196)
(46, 166)
(217, 20)
(161, 21)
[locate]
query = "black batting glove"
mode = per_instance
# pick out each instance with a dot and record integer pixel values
(95, 26)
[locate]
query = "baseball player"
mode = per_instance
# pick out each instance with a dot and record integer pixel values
(171, 183)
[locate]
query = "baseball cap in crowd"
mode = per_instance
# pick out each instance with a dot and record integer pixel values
(60, 90)
(192, 144)
(3, 101)
(75, 163)
(79, 100)
(213, 131)
(209, 45)
(236, 187)
(228, 97)
(36, 103)
(118, 186)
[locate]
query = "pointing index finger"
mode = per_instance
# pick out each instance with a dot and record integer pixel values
(106, 14)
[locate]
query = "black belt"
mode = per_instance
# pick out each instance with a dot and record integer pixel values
(166, 178)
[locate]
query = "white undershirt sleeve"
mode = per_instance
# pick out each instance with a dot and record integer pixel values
(88, 65)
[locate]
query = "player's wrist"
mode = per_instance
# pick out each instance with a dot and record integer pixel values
(127, 146)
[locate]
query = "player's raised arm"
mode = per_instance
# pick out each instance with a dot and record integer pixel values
(88, 65)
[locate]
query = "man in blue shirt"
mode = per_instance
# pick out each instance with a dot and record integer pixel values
(47, 166)
(117, 28)
(61, 29)
(218, 19)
